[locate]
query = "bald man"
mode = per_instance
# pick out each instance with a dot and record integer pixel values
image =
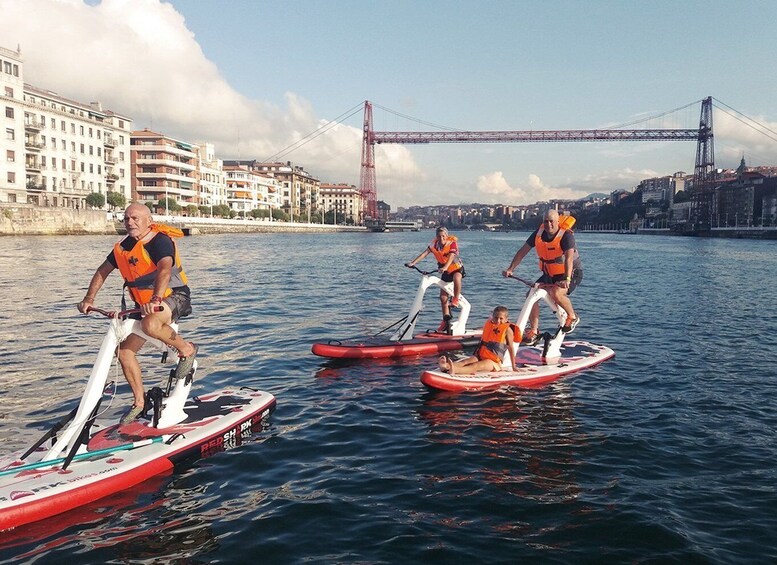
(561, 268)
(148, 261)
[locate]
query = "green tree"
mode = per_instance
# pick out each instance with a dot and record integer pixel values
(95, 200)
(116, 200)
(280, 215)
(172, 204)
(191, 210)
(681, 196)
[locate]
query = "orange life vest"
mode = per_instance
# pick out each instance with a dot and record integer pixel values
(139, 271)
(493, 344)
(442, 254)
(550, 253)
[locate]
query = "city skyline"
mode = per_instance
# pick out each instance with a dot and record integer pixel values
(232, 74)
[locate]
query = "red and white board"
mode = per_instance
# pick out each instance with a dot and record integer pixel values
(214, 422)
(430, 343)
(533, 370)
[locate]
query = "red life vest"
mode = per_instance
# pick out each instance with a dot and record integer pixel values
(442, 254)
(493, 344)
(139, 271)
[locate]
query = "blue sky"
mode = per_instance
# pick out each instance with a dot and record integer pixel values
(253, 77)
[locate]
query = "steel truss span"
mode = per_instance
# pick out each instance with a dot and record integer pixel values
(536, 136)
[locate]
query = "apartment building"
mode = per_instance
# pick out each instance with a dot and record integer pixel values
(164, 168)
(299, 189)
(57, 151)
(248, 190)
(343, 200)
(210, 173)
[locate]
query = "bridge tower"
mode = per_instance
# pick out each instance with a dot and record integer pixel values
(702, 200)
(367, 180)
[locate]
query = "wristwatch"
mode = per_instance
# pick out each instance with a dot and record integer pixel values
(156, 299)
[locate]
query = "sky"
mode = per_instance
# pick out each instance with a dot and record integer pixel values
(256, 78)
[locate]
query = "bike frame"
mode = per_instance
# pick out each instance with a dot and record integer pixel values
(552, 348)
(458, 326)
(120, 328)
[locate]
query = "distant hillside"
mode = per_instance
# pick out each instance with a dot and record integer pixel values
(596, 195)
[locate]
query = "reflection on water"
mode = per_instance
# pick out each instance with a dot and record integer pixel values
(664, 453)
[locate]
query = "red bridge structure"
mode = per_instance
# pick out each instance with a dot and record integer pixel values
(703, 174)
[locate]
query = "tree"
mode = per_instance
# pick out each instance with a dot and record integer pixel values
(95, 200)
(116, 200)
(681, 196)
(172, 204)
(191, 210)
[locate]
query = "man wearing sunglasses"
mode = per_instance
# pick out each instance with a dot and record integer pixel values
(561, 268)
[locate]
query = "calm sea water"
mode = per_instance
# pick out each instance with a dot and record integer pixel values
(666, 453)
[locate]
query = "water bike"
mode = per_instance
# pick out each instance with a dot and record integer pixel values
(550, 359)
(404, 341)
(88, 458)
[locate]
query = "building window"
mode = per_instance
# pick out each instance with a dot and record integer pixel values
(9, 92)
(8, 112)
(9, 134)
(7, 67)
(10, 156)
(11, 177)
(82, 130)
(16, 70)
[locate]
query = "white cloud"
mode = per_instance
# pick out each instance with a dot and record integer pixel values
(495, 189)
(138, 58)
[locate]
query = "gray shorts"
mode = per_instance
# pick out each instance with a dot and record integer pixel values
(180, 303)
(577, 278)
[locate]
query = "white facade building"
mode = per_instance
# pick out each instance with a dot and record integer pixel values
(210, 170)
(248, 190)
(343, 200)
(57, 151)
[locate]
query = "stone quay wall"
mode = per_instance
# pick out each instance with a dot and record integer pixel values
(26, 219)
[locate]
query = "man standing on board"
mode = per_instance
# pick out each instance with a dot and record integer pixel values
(561, 268)
(148, 260)
(445, 249)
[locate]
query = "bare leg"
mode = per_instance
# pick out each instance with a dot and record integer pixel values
(559, 296)
(128, 359)
(534, 317)
(473, 365)
(156, 325)
(446, 311)
(444, 363)
(457, 284)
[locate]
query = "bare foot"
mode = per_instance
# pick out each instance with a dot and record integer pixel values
(444, 363)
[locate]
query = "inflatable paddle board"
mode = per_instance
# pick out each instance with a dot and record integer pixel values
(431, 343)
(118, 457)
(533, 370)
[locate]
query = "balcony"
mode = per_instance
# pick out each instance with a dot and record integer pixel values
(33, 125)
(111, 178)
(108, 141)
(32, 166)
(33, 145)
